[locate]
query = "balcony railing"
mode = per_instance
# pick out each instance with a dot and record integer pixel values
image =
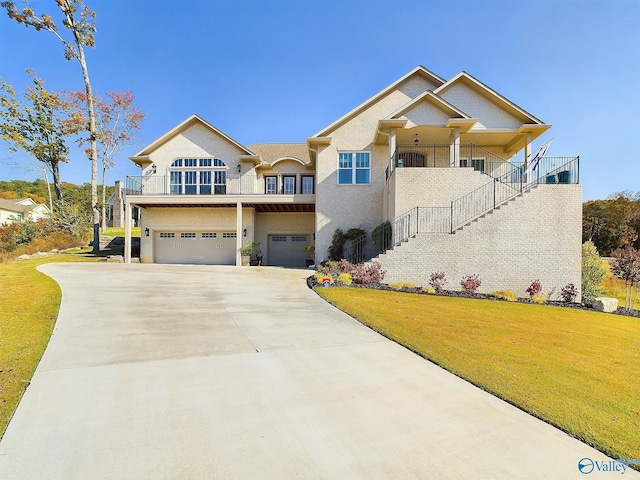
(444, 156)
(229, 184)
(443, 220)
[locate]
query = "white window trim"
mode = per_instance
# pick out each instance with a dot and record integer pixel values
(353, 169)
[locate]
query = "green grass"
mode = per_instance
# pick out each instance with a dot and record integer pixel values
(29, 303)
(575, 369)
(119, 232)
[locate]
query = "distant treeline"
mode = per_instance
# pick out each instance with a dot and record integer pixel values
(79, 195)
(613, 223)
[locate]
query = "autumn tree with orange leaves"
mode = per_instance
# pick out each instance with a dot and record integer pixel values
(117, 120)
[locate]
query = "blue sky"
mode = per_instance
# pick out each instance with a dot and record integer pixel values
(279, 71)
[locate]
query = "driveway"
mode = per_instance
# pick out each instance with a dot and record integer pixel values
(202, 372)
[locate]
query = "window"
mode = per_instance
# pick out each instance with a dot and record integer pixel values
(271, 185)
(187, 235)
(307, 184)
(476, 163)
(229, 235)
(298, 238)
(209, 235)
(220, 182)
(190, 182)
(167, 235)
(278, 238)
(354, 168)
(197, 176)
(289, 185)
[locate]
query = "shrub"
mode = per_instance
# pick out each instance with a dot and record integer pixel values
(538, 298)
(368, 273)
(437, 281)
(337, 242)
(593, 272)
(470, 283)
(345, 279)
(401, 285)
(534, 289)
(505, 295)
(339, 238)
(344, 266)
(430, 290)
(569, 293)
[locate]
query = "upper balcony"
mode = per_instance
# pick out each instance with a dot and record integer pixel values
(543, 169)
(220, 183)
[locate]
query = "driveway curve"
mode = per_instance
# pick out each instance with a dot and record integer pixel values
(206, 372)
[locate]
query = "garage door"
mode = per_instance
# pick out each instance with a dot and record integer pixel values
(286, 250)
(209, 248)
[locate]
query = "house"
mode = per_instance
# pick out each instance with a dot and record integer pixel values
(441, 171)
(16, 210)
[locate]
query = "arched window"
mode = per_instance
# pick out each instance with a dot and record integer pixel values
(198, 176)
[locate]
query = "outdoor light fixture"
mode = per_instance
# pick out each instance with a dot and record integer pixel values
(146, 232)
(416, 140)
(153, 168)
(244, 232)
(239, 168)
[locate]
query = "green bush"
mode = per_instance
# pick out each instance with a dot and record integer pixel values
(593, 272)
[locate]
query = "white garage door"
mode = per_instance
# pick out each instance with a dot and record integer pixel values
(286, 250)
(208, 248)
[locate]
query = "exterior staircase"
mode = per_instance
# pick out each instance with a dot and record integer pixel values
(511, 182)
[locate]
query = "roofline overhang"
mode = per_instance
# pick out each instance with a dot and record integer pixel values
(485, 88)
(419, 70)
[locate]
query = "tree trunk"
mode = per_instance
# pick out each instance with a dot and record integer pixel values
(92, 125)
(103, 205)
(46, 179)
(55, 170)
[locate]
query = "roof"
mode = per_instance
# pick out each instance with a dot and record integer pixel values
(16, 205)
(464, 77)
(272, 153)
(418, 71)
(142, 156)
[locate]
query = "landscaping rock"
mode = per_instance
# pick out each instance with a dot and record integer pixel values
(605, 304)
(23, 257)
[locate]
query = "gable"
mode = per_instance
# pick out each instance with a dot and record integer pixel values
(477, 100)
(190, 133)
(403, 90)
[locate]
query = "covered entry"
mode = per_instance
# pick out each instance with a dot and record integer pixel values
(195, 247)
(287, 250)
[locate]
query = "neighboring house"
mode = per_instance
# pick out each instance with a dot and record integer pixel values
(443, 168)
(17, 210)
(115, 208)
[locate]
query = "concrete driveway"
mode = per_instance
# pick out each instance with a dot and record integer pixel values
(201, 372)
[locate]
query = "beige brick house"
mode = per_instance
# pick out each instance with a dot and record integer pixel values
(443, 168)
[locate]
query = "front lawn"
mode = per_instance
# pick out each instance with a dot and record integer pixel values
(119, 232)
(575, 369)
(29, 303)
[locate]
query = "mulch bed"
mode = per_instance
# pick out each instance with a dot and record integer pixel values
(312, 282)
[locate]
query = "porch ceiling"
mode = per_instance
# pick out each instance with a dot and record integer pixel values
(259, 207)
